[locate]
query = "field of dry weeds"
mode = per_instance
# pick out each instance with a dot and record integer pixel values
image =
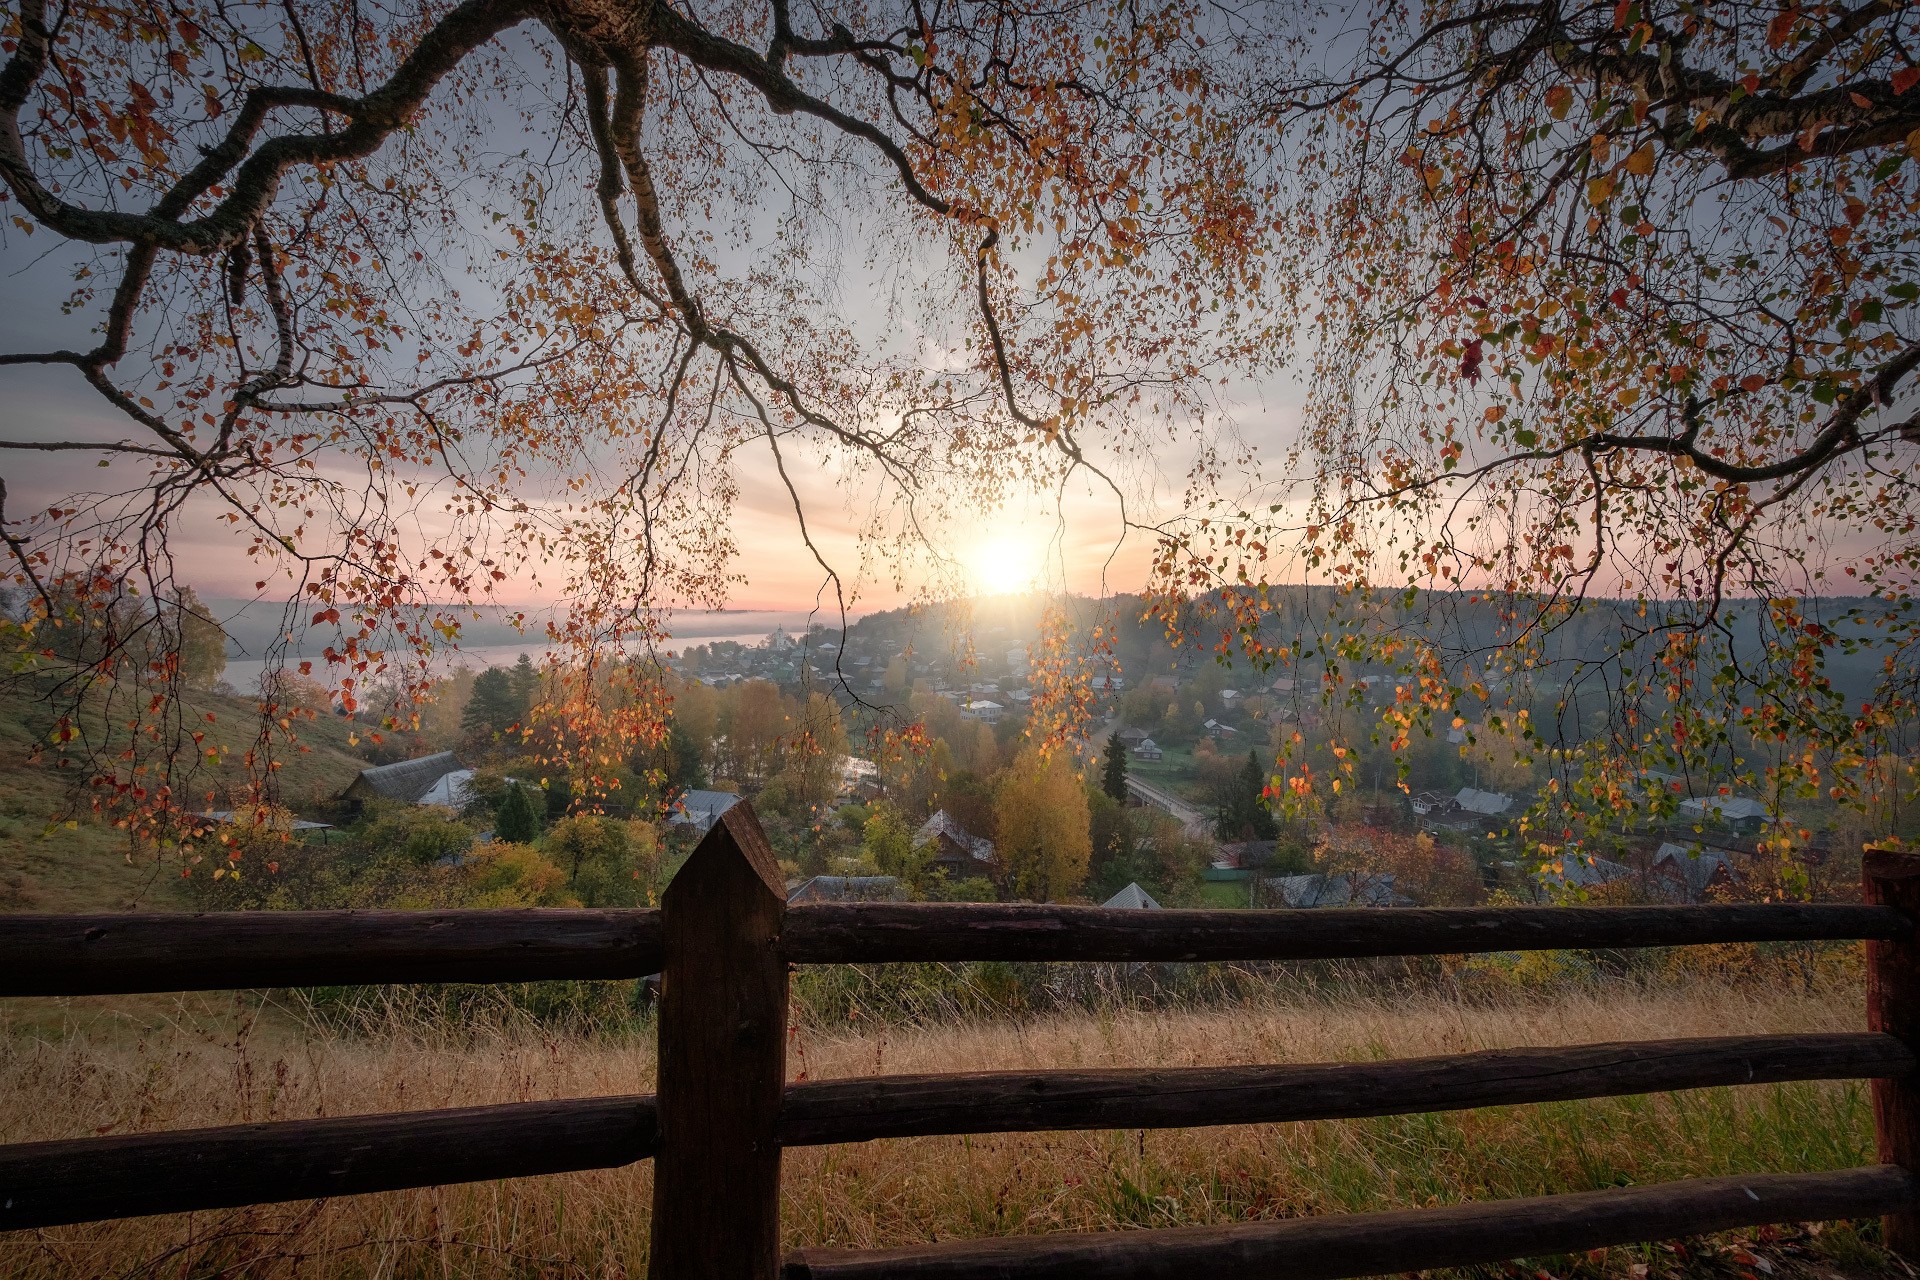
(203, 1062)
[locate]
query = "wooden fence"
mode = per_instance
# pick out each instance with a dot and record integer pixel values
(723, 942)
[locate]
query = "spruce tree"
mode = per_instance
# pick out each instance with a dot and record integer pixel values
(516, 822)
(491, 708)
(1259, 819)
(1113, 777)
(525, 682)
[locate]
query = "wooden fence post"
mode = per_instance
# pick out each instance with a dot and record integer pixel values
(1893, 1006)
(722, 1061)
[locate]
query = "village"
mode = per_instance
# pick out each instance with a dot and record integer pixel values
(1171, 802)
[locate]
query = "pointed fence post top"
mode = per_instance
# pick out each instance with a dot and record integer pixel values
(734, 850)
(1881, 865)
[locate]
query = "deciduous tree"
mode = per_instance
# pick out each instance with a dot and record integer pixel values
(424, 301)
(1613, 318)
(1042, 827)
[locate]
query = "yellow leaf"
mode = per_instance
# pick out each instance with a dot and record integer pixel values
(1599, 189)
(1640, 163)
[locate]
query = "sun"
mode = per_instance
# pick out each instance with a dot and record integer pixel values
(1003, 565)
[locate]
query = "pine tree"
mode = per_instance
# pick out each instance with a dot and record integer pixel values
(1259, 818)
(516, 823)
(1113, 778)
(491, 707)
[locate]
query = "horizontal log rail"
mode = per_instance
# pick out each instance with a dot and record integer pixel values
(1192, 1097)
(49, 955)
(872, 933)
(44, 1184)
(722, 943)
(1369, 1244)
(83, 1179)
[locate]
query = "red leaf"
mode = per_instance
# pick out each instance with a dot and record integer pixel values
(1470, 360)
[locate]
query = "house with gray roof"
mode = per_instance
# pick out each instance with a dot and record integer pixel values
(1488, 804)
(1688, 872)
(1726, 811)
(1132, 898)
(957, 851)
(1316, 889)
(404, 781)
(700, 809)
(1580, 871)
(848, 889)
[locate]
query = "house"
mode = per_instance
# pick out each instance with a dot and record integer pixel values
(1245, 853)
(1283, 684)
(299, 827)
(1131, 737)
(1726, 811)
(1215, 729)
(1689, 871)
(957, 851)
(859, 778)
(1316, 889)
(1132, 898)
(1148, 750)
(984, 709)
(1580, 871)
(1229, 696)
(1021, 696)
(700, 809)
(848, 889)
(453, 791)
(1433, 804)
(1488, 804)
(405, 781)
(1108, 684)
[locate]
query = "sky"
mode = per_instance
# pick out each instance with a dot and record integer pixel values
(1074, 541)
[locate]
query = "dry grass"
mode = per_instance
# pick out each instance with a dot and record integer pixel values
(209, 1066)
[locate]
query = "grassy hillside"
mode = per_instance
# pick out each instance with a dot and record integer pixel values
(56, 856)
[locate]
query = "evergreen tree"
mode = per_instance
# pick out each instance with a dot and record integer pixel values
(683, 764)
(1113, 776)
(1242, 812)
(525, 682)
(559, 798)
(516, 822)
(491, 708)
(1259, 818)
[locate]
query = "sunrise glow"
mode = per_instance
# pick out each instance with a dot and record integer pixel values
(1005, 565)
